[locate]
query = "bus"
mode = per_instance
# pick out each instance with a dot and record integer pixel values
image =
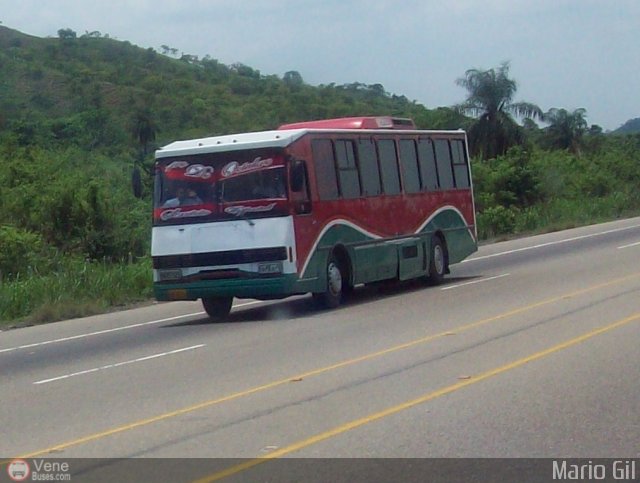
(312, 207)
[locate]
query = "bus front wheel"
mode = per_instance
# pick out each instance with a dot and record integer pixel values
(217, 308)
(335, 285)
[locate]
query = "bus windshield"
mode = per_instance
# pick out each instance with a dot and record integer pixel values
(197, 190)
(265, 184)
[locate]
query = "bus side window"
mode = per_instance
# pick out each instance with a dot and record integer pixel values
(428, 169)
(389, 166)
(368, 165)
(409, 165)
(325, 168)
(443, 159)
(460, 168)
(347, 169)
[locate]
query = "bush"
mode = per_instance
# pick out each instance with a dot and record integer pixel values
(77, 204)
(496, 220)
(509, 180)
(21, 252)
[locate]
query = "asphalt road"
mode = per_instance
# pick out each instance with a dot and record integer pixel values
(528, 350)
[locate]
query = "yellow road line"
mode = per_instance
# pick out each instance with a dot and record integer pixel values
(321, 370)
(356, 423)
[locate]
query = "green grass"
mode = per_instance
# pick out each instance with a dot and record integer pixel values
(77, 289)
(554, 215)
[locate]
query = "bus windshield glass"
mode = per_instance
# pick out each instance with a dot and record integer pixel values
(218, 187)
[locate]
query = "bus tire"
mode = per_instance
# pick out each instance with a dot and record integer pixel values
(217, 308)
(335, 284)
(437, 261)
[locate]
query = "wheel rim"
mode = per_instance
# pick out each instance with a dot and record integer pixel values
(438, 259)
(334, 278)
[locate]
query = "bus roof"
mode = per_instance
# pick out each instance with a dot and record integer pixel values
(231, 142)
(365, 122)
(284, 135)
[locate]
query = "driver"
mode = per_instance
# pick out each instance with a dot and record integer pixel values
(183, 197)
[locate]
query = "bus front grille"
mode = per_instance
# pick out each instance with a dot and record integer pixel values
(230, 257)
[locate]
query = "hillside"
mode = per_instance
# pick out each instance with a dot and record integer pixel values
(632, 126)
(98, 89)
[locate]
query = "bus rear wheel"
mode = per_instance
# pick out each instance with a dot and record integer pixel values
(217, 308)
(335, 285)
(437, 261)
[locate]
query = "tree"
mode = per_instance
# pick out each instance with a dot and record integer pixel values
(66, 34)
(566, 129)
(293, 79)
(490, 100)
(166, 50)
(189, 59)
(595, 130)
(144, 130)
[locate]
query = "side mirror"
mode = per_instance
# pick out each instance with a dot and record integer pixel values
(298, 176)
(136, 182)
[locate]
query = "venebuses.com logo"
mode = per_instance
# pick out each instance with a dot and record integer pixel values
(39, 470)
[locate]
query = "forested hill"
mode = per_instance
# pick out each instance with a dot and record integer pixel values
(96, 91)
(629, 127)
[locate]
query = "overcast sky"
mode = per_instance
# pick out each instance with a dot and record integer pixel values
(563, 53)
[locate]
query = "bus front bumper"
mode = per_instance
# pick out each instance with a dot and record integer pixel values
(272, 287)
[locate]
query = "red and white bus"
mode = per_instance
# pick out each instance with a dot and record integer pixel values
(313, 207)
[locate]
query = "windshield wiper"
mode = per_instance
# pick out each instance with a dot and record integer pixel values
(238, 213)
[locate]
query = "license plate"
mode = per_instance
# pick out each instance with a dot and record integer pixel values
(268, 268)
(165, 275)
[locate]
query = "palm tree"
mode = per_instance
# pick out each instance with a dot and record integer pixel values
(144, 130)
(490, 100)
(566, 129)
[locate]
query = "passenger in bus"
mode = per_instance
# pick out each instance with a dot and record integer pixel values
(191, 198)
(175, 201)
(183, 197)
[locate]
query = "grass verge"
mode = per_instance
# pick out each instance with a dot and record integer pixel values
(77, 289)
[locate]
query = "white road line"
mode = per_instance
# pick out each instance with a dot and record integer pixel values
(115, 329)
(250, 303)
(541, 245)
(118, 364)
(99, 332)
(449, 287)
(629, 245)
